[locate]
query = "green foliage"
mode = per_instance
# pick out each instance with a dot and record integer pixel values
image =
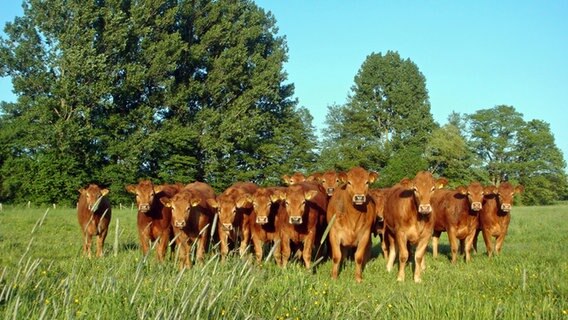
(524, 152)
(176, 91)
(404, 164)
(45, 276)
(388, 111)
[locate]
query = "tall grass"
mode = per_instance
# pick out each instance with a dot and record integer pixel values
(43, 275)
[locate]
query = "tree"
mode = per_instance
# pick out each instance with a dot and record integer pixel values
(448, 155)
(541, 165)
(170, 90)
(387, 112)
(493, 136)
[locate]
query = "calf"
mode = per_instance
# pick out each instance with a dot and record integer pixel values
(495, 216)
(154, 220)
(304, 203)
(409, 219)
(295, 178)
(191, 219)
(457, 213)
(266, 220)
(234, 222)
(94, 213)
(351, 211)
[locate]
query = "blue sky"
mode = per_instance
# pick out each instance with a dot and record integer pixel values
(474, 55)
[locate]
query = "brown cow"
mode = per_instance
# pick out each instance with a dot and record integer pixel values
(409, 219)
(234, 222)
(297, 177)
(457, 213)
(351, 211)
(265, 220)
(94, 213)
(495, 216)
(304, 202)
(154, 220)
(191, 219)
(379, 196)
(329, 181)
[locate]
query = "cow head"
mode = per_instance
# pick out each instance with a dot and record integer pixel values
(474, 192)
(505, 193)
(329, 181)
(380, 198)
(423, 185)
(261, 201)
(145, 192)
(357, 181)
(295, 198)
(296, 178)
(93, 194)
(181, 205)
(226, 207)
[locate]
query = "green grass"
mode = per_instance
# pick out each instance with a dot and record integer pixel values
(44, 276)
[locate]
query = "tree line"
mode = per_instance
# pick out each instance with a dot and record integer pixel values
(178, 91)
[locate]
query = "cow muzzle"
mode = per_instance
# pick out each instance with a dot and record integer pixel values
(144, 207)
(295, 220)
(476, 206)
(262, 219)
(359, 199)
(227, 226)
(179, 223)
(425, 209)
(330, 191)
(506, 207)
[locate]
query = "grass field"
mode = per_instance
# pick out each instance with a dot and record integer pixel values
(44, 276)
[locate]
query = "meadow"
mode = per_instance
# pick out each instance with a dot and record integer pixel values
(43, 275)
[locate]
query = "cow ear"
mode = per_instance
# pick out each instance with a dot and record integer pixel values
(342, 177)
(310, 194)
(244, 201)
(277, 196)
(213, 203)
(491, 190)
(104, 192)
(373, 176)
(519, 189)
(81, 191)
(286, 179)
(131, 188)
(314, 177)
(158, 189)
(195, 202)
(406, 183)
(461, 190)
(440, 183)
(166, 201)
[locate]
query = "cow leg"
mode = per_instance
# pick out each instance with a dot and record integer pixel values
(87, 244)
(308, 247)
(224, 242)
(499, 243)
(474, 245)
(278, 251)
(435, 239)
(453, 244)
(201, 246)
(286, 251)
(335, 254)
(183, 245)
(488, 242)
(144, 236)
(391, 250)
(257, 244)
(162, 246)
(420, 259)
(361, 255)
(401, 242)
(101, 242)
(244, 241)
(467, 244)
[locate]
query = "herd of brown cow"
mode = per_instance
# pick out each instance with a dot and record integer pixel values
(335, 208)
